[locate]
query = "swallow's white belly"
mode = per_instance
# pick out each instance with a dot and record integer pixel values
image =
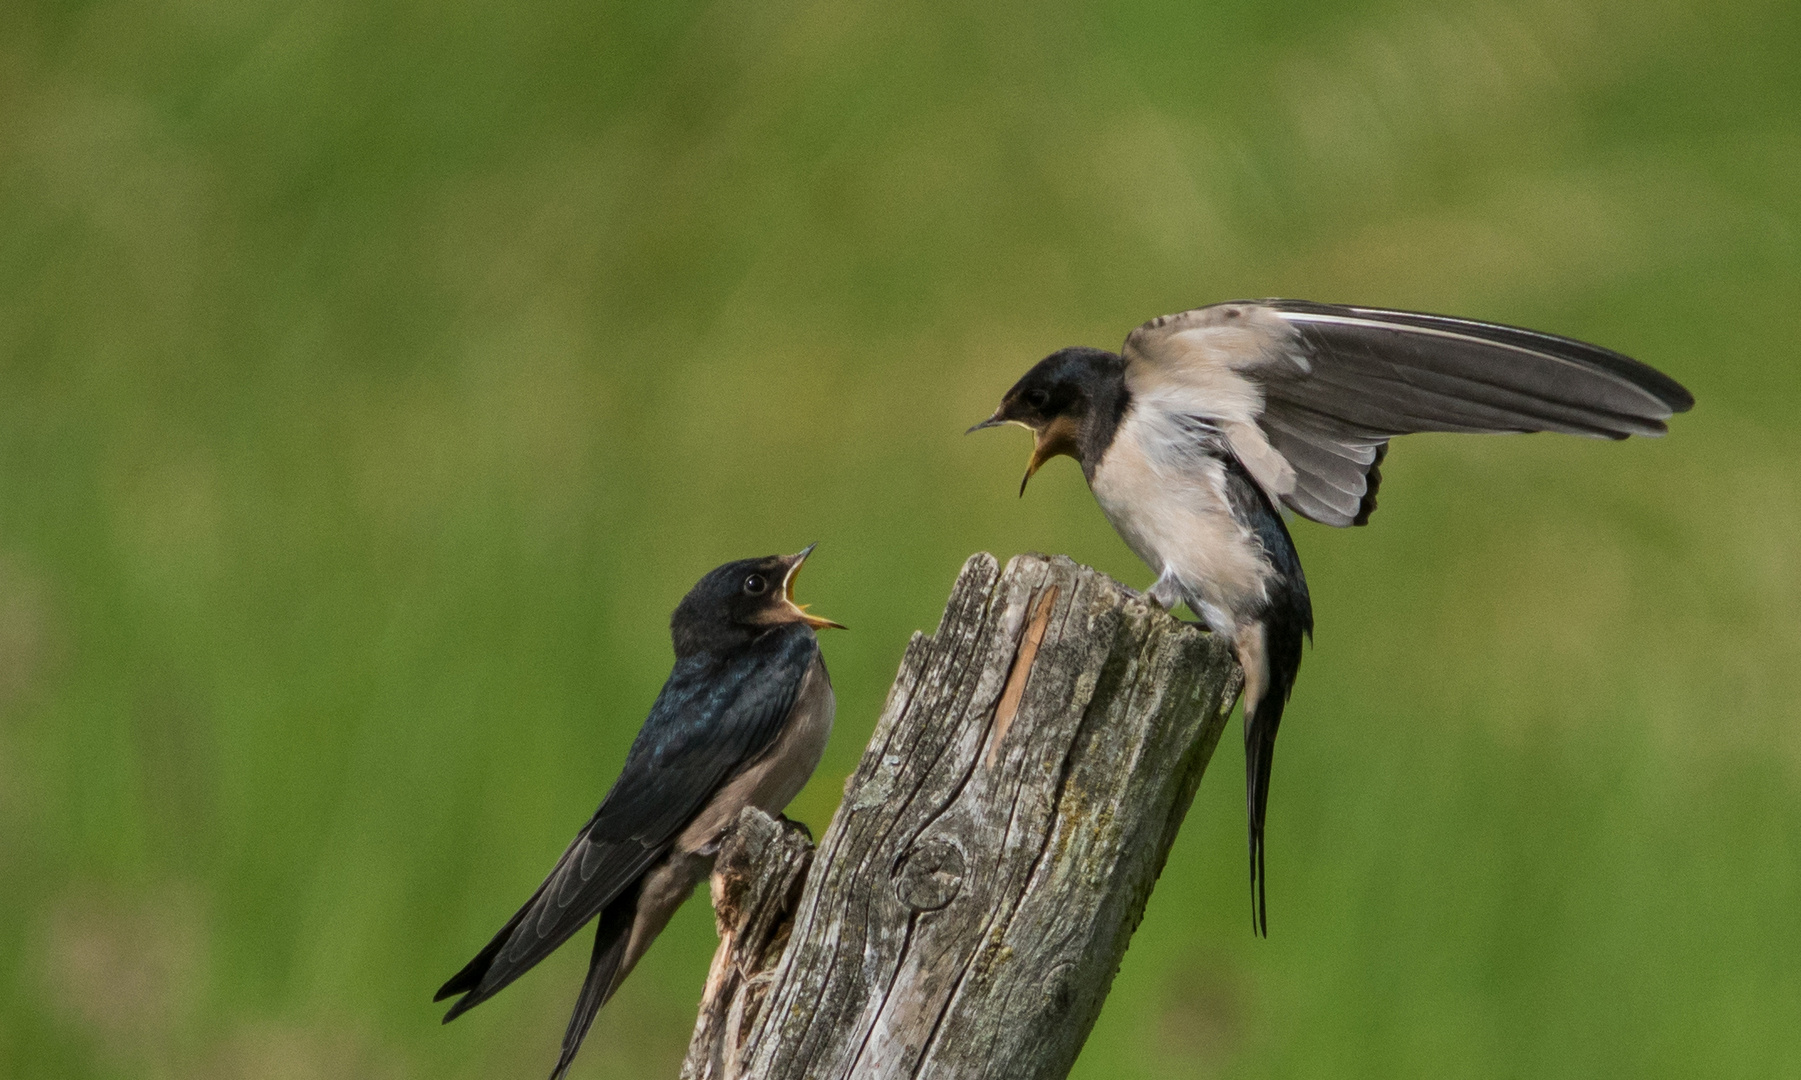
(1167, 499)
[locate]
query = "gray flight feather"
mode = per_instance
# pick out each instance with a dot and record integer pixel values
(1328, 385)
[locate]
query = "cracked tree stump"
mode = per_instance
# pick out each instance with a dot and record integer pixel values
(968, 907)
(756, 886)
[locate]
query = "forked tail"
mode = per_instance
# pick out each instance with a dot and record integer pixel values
(1261, 718)
(1270, 654)
(611, 937)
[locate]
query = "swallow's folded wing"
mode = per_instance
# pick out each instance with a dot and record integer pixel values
(711, 719)
(1326, 386)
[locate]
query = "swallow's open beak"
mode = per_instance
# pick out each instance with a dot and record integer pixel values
(997, 420)
(1057, 438)
(1042, 452)
(799, 611)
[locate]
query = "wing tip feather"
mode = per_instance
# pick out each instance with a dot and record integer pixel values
(1373, 482)
(463, 1005)
(1654, 384)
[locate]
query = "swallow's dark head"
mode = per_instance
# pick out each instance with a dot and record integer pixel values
(740, 600)
(1071, 401)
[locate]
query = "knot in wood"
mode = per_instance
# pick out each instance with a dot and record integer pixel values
(930, 874)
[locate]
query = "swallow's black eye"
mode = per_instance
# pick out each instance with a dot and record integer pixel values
(1038, 398)
(756, 585)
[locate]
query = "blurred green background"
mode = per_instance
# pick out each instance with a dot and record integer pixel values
(374, 379)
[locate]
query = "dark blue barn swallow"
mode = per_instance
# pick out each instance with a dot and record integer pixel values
(741, 721)
(1211, 420)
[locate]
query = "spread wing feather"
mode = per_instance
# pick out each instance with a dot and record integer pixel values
(712, 718)
(1329, 385)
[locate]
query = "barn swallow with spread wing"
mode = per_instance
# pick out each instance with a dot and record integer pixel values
(741, 721)
(1209, 421)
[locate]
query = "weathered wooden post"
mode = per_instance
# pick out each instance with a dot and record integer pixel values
(968, 907)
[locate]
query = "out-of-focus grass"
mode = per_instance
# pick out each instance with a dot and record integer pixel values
(373, 381)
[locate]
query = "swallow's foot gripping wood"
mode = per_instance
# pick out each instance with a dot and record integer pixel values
(970, 903)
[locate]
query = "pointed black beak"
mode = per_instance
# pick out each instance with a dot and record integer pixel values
(992, 421)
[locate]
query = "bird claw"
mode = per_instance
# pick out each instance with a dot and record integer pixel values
(1165, 592)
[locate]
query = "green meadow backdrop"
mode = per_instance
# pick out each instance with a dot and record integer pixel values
(375, 378)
